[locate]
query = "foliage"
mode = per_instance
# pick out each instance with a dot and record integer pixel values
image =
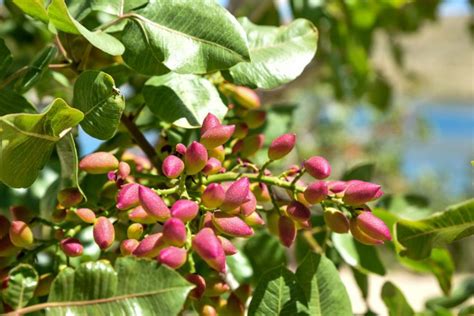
(205, 217)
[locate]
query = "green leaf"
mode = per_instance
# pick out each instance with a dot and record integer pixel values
(37, 69)
(27, 141)
(363, 257)
(63, 21)
(34, 8)
(417, 238)
(362, 172)
(396, 303)
(12, 102)
(278, 293)
(22, 282)
(117, 7)
(67, 154)
(462, 293)
(183, 100)
(264, 252)
(322, 286)
(5, 58)
(196, 37)
(134, 287)
(277, 54)
(97, 97)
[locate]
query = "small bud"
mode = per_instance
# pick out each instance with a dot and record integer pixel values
(231, 225)
(185, 210)
(99, 163)
(241, 131)
(218, 153)
(21, 213)
(173, 257)
(71, 247)
(286, 231)
(206, 221)
(207, 310)
(139, 215)
(212, 166)
(86, 215)
(200, 285)
(153, 204)
(336, 220)
(195, 158)
(172, 167)
(246, 97)
(229, 248)
(104, 233)
(180, 149)
(216, 287)
(298, 211)
(373, 226)
(255, 119)
(318, 167)
(362, 237)
(128, 246)
(20, 234)
(251, 145)
(316, 192)
(250, 206)
(135, 231)
(209, 248)
(174, 232)
(337, 186)
(4, 226)
(254, 219)
(127, 197)
(260, 190)
(209, 122)
(281, 146)
(150, 246)
(361, 192)
(217, 136)
(123, 170)
(236, 194)
(213, 195)
(69, 197)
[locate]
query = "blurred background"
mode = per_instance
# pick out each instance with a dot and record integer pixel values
(390, 92)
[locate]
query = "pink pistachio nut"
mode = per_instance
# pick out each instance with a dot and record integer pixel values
(286, 231)
(336, 220)
(71, 247)
(255, 119)
(361, 192)
(124, 170)
(298, 211)
(254, 219)
(251, 145)
(206, 244)
(362, 237)
(195, 158)
(185, 210)
(241, 131)
(99, 163)
(229, 248)
(153, 204)
(104, 233)
(200, 285)
(139, 215)
(20, 234)
(150, 246)
(250, 206)
(217, 136)
(318, 167)
(212, 166)
(236, 194)
(336, 187)
(209, 122)
(246, 97)
(173, 257)
(69, 197)
(316, 192)
(127, 197)
(86, 215)
(181, 149)
(373, 226)
(174, 232)
(281, 146)
(231, 225)
(213, 196)
(172, 167)
(128, 246)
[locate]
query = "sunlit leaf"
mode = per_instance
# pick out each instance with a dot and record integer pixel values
(278, 54)
(183, 100)
(67, 154)
(22, 282)
(117, 7)
(34, 8)
(196, 36)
